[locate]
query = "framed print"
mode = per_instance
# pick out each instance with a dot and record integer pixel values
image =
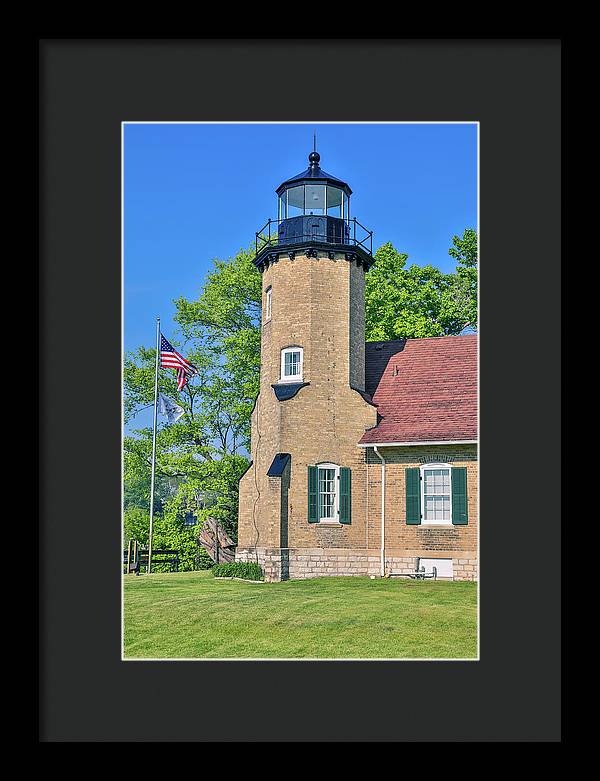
(294, 471)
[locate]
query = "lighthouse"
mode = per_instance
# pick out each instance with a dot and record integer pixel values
(302, 495)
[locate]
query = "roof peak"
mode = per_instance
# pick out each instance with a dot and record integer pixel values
(314, 171)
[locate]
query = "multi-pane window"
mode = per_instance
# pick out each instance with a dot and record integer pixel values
(268, 296)
(291, 364)
(327, 485)
(437, 494)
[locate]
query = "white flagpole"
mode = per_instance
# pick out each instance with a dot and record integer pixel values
(153, 446)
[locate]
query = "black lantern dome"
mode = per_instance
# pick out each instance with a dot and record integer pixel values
(314, 177)
(313, 213)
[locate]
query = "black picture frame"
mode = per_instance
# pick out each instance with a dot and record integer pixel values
(87, 87)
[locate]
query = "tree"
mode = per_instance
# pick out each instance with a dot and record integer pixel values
(460, 301)
(419, 301)
(464, 250)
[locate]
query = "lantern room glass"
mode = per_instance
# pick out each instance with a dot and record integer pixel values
(334, 202)
(295, 201)
(313, 199)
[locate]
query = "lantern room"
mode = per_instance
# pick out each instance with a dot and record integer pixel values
(313, 211)
(314, 192)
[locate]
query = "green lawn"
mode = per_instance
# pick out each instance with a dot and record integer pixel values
(194, 615)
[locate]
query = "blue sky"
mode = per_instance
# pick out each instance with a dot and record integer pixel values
(196, 192)
(193, 193)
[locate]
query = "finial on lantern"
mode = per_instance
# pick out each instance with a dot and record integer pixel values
(314, 156)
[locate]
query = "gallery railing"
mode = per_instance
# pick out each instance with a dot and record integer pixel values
(330, 231)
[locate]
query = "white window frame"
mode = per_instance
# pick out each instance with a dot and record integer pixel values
(292, 377)
(424, 521)
(268, 303)
(336, 504)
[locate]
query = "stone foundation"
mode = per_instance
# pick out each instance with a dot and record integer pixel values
(301, 563)
(272, 560)
(465, 569)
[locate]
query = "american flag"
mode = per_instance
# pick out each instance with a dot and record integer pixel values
(171, 359)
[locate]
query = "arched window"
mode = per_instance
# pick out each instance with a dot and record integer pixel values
(291, 364)
(436, 493)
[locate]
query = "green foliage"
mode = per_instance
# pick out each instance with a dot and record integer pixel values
(137, 490)
(136, 524)
(464, 249)
(401, 302)
(203, 560)
(417, 301)
(249, 570)
(460, 301)
(169, 531)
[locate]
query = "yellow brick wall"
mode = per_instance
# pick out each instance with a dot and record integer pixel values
(424, 540)
(316, 304)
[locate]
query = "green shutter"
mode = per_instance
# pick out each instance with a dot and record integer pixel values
(345, 495)
(312, 494)
(459, 496)
(413, 495)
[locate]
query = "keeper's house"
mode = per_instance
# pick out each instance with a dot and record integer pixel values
(364, 456)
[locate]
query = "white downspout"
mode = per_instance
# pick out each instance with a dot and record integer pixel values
(381, 458)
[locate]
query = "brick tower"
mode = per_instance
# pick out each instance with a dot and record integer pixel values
(302, 499)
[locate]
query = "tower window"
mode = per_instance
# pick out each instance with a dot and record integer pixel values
(268, 297)
(291, 364)
(328, 495)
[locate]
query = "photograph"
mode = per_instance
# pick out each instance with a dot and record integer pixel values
(300, 353)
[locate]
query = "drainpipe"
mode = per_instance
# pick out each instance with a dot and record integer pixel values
(381, 458)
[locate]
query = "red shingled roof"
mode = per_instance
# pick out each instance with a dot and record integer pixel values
(425, 389)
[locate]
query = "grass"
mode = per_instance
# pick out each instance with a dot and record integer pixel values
(193, 615)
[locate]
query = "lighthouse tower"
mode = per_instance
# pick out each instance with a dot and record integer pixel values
(301, 502)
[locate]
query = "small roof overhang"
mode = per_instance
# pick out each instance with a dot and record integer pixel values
(312, 175)
(279, 464)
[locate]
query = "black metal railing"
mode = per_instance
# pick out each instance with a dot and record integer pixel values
(353, 234)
